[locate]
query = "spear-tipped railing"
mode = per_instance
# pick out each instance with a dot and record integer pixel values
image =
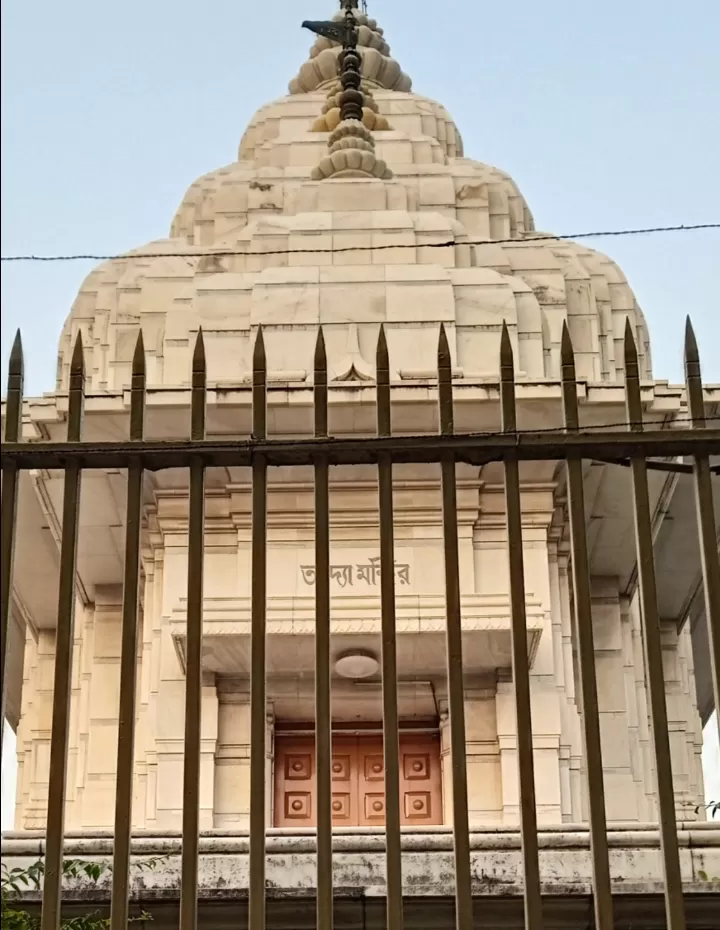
(631, 445)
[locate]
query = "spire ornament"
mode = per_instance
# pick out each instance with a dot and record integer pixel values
(349, 109)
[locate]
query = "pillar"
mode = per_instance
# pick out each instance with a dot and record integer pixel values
(446, 765)
(101, 665)
(644, 736)
(33, 738)
(232, 758)
(682, 720)
(635, 726)
(620, 796)
(571, 712)
(483, 755)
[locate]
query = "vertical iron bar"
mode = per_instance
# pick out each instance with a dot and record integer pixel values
(705, 513)
(521, 671)
(52, 888)
(258, 710)
(391, 748)
(128, 654)
(193, 649)
(10, 476)
(323, 718)
(586, 649)
(456, 691)
(674, 907)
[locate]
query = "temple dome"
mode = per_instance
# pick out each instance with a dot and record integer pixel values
(443, 239)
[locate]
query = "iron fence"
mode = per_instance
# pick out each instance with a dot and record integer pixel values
(631, 445)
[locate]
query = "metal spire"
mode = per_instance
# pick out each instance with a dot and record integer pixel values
(350, 142)
(346, 32)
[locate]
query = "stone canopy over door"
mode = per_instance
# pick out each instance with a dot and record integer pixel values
(358, 774)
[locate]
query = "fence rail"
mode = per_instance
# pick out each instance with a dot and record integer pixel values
(627, 444)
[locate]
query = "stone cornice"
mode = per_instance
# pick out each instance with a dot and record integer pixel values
(602, 401)
(353, 504)
(227, 618)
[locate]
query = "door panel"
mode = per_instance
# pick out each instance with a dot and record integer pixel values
(358, 781)
(371, 782)
(295, 784)
(420, 795)
(344, 783)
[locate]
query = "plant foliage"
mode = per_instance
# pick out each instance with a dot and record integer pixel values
(13, 882)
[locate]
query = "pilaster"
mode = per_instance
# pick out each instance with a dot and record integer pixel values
(103, 682)
(232, 759)
(483, 756)
(620, 797)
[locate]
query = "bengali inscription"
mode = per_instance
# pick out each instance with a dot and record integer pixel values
(367, 573)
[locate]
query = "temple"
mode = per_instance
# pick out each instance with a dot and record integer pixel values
(350, 204)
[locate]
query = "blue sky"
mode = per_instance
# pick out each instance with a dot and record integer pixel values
(605, 114)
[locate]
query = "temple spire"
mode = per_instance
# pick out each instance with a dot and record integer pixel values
(351, 97)
(351, 144)
(322, 68)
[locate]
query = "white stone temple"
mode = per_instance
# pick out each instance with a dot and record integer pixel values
(317, 224)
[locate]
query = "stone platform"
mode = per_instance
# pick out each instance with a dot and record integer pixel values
(359, 866)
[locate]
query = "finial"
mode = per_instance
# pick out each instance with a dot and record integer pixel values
(344, 32)
(13, 405)
(382, 358)
(631, 354)
(320, 388)
(77, 362)
(198, 359)
(571, 415)
(445, 394)
(693, 377)
(138, 362)
(692, 355)
(382, 363)
(16, 364)
(351, 97)
(352, 147)
(507, 363)
(76, 393)
(444, 361)
(259, 353)
(633, 397)
(198, 395)
(320, 361)
(567, 354)
(322, 69)
(508, 410)
(259, 390)
(137, 390)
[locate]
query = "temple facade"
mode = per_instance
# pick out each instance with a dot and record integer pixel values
(346, 225)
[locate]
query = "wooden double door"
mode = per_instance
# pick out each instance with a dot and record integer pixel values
(358, 781)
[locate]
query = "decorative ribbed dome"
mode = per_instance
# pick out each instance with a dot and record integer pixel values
(352, 252)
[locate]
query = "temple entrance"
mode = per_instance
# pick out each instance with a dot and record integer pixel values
(358, 781)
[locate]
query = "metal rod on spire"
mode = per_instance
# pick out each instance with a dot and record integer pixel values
(345, 32)
(351, 97)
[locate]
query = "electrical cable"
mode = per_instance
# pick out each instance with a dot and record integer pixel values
(452, 243)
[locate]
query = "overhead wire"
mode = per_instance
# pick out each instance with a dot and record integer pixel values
(528, 240)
